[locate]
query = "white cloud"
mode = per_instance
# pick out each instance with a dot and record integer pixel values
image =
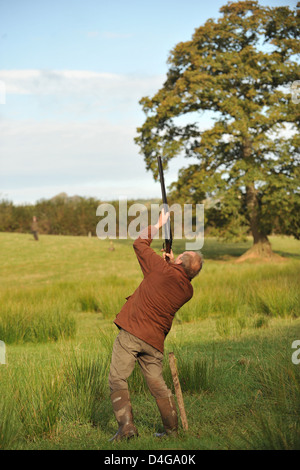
(74, 134)
(79, 149)
(42, 159)
(75, 94)
(109, 191)
(45, 82)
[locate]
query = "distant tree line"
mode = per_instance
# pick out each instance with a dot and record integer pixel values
(63, 215)
(57, 216)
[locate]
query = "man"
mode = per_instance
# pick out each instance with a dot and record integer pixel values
(144, 322)
(34, 228)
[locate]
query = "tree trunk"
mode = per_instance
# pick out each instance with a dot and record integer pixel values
(252, 206)
(261, 246)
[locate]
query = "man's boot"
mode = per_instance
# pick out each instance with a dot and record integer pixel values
(123, 413)
(168, 412)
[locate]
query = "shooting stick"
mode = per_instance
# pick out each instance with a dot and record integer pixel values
(173, 367)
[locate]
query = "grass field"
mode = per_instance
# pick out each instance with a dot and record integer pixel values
(233, 343)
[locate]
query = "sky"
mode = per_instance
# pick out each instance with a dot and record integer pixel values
(72, 73)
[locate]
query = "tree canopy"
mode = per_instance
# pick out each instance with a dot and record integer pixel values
(238, 68)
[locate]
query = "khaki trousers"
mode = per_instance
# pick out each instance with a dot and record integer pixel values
(127, 350)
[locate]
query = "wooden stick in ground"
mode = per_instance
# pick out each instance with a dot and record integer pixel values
(173, 367)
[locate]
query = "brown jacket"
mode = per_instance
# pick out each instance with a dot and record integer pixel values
(34, 227)
(149, 311)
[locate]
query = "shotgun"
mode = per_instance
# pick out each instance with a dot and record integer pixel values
(168, 233)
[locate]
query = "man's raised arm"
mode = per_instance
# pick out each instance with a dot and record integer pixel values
(147, 258)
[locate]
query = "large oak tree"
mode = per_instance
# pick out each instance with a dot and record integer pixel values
(240, 67)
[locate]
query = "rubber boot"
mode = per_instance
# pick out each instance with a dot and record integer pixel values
(168, 412)
(123, 413)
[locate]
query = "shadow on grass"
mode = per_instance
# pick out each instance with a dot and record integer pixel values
(215, 249)
(285, 254)
(212, 248)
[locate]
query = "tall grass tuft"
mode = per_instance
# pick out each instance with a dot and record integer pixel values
(196, 373)
(22, 325)
(88, 303)
(277, 427)
(39, 404)
(231, 327)
(8, 425)
(86, 380)
(277, 299)
(111, 300)
(231, 291)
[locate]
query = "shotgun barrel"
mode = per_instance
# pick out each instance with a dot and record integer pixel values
(167, 227)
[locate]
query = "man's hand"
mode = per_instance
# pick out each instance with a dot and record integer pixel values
(163, 217)
(168, 257)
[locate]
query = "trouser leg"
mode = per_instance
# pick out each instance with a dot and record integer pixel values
(126, 350)
(122, 362)
(122, 365)
(151, 365)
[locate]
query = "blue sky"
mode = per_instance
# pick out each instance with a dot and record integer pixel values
(74, 71)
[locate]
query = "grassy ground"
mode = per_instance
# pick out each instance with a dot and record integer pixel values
(233, 343)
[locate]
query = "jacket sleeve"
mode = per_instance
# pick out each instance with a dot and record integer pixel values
(148, 259)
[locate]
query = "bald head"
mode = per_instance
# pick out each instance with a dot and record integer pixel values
(191, 262)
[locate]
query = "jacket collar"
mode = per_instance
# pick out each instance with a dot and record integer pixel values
(181, 269)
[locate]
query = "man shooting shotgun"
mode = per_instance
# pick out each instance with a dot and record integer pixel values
(144, 322)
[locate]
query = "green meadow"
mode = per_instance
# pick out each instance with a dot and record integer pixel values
(232, 341)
